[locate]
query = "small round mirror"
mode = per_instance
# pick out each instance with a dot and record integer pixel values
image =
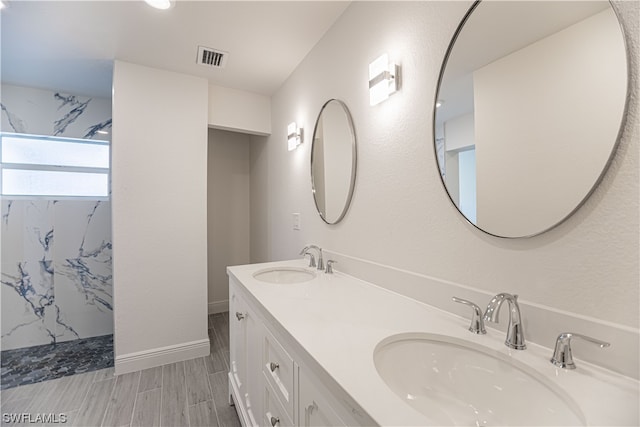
(333, 161)
(528, 111)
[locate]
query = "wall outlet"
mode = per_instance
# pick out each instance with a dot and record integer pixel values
(296, 221)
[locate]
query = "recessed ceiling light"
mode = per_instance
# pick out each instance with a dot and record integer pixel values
(160, 4)
(2, 4)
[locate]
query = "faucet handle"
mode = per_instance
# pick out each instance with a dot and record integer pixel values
(562, 356)
(330, 263)
(477, 324)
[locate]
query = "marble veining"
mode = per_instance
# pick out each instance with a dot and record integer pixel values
(55, 289)
(92, 269)
(66, 99)
(16, 123)
(59, 126)
(51, 113)
(37, 295)
(93, 130)
(94, 286)
(5, 215)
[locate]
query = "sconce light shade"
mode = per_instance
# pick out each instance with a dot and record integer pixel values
(383, 79)
(294, 136)
(160, 4)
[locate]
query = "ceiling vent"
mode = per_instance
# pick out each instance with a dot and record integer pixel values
(211, 57)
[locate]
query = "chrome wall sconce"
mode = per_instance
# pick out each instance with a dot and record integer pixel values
(383, 79)
(294, 136)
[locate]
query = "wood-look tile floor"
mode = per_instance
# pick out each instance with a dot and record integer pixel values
(190, 393)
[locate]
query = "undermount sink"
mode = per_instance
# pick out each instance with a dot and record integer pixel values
(455, 382)
(284, 275)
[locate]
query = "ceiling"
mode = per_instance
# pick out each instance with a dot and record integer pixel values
(70, 45)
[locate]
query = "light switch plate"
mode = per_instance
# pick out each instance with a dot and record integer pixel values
(296, 221)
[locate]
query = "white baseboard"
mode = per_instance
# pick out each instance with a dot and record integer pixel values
(160, 356)
(218, 306)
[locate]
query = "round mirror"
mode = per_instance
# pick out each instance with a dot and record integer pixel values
(333, 161)
(529, 107)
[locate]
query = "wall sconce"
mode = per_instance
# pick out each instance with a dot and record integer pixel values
(383, 79)
(161, 4)
(294, 136)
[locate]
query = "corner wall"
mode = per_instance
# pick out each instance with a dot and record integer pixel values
(159, 196)
(401, 217)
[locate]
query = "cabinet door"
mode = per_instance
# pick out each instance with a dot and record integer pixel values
(237, 343)
(313, 407)
(253, 380)
(245, 338)
(244, 352)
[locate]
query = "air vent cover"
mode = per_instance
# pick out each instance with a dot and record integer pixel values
(211, 57)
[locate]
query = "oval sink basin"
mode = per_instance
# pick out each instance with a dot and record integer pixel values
(284, 275)
(455, 382)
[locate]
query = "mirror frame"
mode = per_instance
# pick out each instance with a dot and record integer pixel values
(354, 161)
(614, 148)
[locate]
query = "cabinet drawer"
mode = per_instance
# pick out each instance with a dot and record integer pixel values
(274, 413)
(278, 369)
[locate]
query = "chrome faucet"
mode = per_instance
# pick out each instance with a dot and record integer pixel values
(562, 356)
(320, 264)
(515, 332)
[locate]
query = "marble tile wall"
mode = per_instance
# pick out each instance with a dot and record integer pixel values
(56, 280)
(55, 255)
(44, 112)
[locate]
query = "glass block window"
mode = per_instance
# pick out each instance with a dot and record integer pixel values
(52, 166)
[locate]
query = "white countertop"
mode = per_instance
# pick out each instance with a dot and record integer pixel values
(339, 320)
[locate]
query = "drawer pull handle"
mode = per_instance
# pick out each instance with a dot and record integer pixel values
(275, 421)
(239, 315)
(273, 366)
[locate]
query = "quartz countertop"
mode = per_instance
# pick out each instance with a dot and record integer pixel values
(339, 320)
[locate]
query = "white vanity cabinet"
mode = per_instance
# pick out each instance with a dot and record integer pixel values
(270, 379)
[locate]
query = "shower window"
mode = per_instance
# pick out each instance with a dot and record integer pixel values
(52, 166)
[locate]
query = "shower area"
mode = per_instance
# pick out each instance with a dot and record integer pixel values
(55, 244)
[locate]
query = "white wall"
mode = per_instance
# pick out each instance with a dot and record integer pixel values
(159, 196)
(459, 132)
(228, 211)
(401, 217)
(550, 137)
(239, 110)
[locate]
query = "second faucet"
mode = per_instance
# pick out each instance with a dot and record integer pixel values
(304, 251)
(515, 330)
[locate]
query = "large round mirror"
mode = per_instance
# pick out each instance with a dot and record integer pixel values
(333, 161)
(528, 111)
